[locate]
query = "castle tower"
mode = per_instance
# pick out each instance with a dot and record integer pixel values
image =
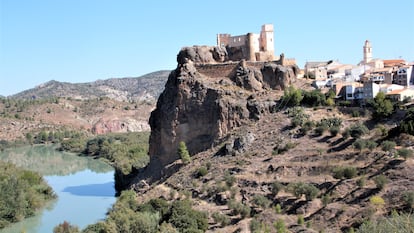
(251, 48)
(367, 52)
(266, 38)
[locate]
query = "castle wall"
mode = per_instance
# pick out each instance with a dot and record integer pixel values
(253, 47)
(217, 70)
(237, 41)
(226, 69)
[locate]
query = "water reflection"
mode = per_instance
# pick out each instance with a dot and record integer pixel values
(97, 190)
(85, 187)
(48, 161)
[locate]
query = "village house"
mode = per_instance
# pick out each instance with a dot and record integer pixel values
(404, 75)
(402, 94)
(317, 70)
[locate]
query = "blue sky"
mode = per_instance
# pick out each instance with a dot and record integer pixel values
(86, 40)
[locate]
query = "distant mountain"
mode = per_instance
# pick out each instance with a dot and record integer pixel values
(146, 87)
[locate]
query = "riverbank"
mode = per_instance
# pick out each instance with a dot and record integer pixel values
(84, 187)
(23, 192)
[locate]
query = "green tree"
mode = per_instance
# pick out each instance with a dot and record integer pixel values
(382, 107)
(183, 153)
(407, 124)
(186, 219)
(313, 98)
(66, 227)
(292, 97)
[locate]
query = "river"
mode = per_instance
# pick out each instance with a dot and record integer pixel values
(84, 186)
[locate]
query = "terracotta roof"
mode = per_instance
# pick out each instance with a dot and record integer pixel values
(393, 62)
(396, 92)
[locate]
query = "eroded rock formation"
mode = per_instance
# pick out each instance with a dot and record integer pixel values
(206, 97)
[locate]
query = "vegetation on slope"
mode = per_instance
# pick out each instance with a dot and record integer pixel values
(22, 193)
(156, 215)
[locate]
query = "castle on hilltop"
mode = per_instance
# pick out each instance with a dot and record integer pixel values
(252, 47)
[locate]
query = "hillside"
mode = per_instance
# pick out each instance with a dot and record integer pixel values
(146, 87)
(268, 158)
(103, 106)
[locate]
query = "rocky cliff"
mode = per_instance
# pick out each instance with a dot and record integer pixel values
(206, 97)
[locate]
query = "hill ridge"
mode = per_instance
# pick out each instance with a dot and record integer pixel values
(142, 88)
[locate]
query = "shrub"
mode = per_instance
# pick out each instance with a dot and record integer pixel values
(183, 153)
(185, 219)
(301, 220)
(202, 171)
(377, 201)
(166, 228)
(408, 199)
(229, 179)
(313, 98)
(358, 130)
(346, 134)
(355, 113)
(359, 144)
(361, 182)
(388, 145)
(334, 130)
(292, 97)
(307, 126)
(326, 199)
(261, 201)
(276, 187)
(280, 226)
(405, 153)
(383, 131)
(278, 209)
(320, 130)
(299, 189)
(330, 102)
(371, 145)
(380, 181)
(239, 208)
(394, 223)
(407, 124)
(222, 219)
(22, 193)
(344, 172)
(66, 227)
(258, 226)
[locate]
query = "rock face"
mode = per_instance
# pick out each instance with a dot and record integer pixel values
(205, 97)
(124, 125)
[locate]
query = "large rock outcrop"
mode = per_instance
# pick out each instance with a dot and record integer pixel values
(205, 98)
